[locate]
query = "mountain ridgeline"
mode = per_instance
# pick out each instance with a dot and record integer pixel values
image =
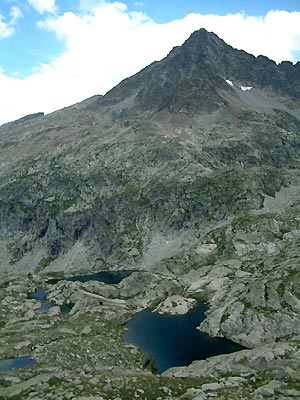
(190, 77)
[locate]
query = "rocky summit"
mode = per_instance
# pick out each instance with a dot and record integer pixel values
(187, 173)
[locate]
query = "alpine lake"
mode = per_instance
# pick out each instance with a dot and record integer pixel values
(166, 340)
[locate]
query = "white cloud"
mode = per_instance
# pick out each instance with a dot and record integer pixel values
(8, 28)
(42, 6)
(106, 43)
(15, 14)
(5, 29)
(276, 35)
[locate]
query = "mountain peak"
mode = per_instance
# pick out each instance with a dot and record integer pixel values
(199, 40)
(202, 38)
(193, 76)
(179, 81)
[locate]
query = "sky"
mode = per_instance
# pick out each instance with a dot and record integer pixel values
(54, 53)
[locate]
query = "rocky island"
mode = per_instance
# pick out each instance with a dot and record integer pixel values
(187, 174)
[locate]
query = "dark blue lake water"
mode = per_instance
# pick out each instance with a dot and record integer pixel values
(15, 363)
(109, 277)
(172, 341)
(38, 295)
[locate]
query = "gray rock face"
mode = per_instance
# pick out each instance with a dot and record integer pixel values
(260, 363)
(176, 305)
(245, 362)
(212, 386)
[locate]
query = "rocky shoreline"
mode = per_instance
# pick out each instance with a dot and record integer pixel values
(90, 340)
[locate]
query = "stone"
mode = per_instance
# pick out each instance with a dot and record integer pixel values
(86, 330)
(202, 396)
(283, 372)
(268, 390)
(90, 398)
(18, 388)
(12, 379)
(294, 393)
(20, 345)
(264, 391)
(176, 305)
(166, 390)
(205, 249)
(234, 381)
(107, 387)
(260, 363)
(94, 381)
(54, 311)
(30, 314)
(212, 386)
(68, 331)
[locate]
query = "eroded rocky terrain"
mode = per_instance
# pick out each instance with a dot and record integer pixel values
(189, 174)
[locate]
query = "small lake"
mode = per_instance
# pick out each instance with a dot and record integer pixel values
(38, 295)
(173, 341)
(41, 295)
(15, 363)
(109, 277)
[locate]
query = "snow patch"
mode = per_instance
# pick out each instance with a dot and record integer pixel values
(246, 88)
(229, 82)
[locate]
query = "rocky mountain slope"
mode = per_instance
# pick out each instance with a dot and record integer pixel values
(188, 170)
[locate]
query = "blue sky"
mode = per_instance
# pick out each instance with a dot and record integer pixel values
(165, 11)
(54, 53)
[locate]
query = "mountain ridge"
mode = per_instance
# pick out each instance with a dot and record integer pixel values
(204, 53)
(189, 107)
